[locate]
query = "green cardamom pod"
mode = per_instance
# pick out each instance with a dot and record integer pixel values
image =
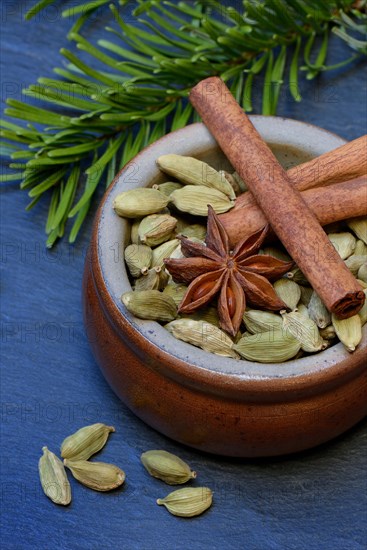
(362, 272)
(203, 335)
(359, 228)
(349, 331)
(304, 330)
(354, 262)
(363, 312)
(360, 249)
(318, 311)
(99, 476)
(195, 199)
(275, 253)
(344, 243)
(168, 187)
(156, 228)
(53, 478)
(274, 346)
(194, 172)
(328, 333)
(164, 251)
(87, 441)
(195, 230)
(187, 502)
(297, 276)
(167, 467)
(257, 320)
(176, 291)
(139, 202)
(288, 291)
(149, 281)
(306, 293)
(150, 304)
(138, 258)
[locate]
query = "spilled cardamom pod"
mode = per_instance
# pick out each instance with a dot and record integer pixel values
(87, 441)
(361, 248)
(192, 171)
(354, 262)
(274, 346)
(99, 476)
(150, 304)
(138, 258)
(203, 335)
(187, 502)
(349, 331)
(362, 272)
(139, 202)
(54, 481)
(195, 200)
(288, 291)
(167, 467)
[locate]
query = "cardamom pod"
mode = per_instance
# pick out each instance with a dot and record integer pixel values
(349, 331)
(288, 291)
(156, 228)
(363, 312)
(241, 184)
(275, 253)
(194, 172)
(297, 276)
(274, 346)
(155, 278)
(150, 304)
(167, 467)
(362, 283)
(195, 200)
(176, 292)
(53, 478)
(354, 262)
(306, 293)
(328, 333)
(203, 335)
(164, 251)
(134, 232)
(99, 476)
(139, 202)
(168, 187)
(187, 502)
(304, 330)
(362, 272)
(360, 249)
(138, 258)
(302, 309)
(87, 441)
(195, 230)
(318, 312)
(208, 314)
(257, 320)
(231, 180)
(344, 243)
(359, 228)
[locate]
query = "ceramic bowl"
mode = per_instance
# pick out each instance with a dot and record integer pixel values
(215, 404)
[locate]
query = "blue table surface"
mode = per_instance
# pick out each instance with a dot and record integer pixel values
(51, 384)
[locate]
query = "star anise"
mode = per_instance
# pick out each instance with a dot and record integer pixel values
(238, 276)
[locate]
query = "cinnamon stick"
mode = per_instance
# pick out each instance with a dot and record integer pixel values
(346, 162)
(291, 219)
(329, 204)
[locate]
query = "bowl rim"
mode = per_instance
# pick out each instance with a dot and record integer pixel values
(183, 362)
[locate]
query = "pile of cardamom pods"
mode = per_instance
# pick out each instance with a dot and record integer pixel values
(78, 448)
(264, 336)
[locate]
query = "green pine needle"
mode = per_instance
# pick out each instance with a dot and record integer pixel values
(95, 120)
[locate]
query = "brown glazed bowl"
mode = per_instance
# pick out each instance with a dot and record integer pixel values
(215, 404)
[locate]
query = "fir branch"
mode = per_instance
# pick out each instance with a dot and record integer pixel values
(133, 90)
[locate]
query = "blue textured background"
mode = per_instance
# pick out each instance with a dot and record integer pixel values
(51, 384)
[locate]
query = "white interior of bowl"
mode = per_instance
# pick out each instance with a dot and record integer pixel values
(113, 233)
